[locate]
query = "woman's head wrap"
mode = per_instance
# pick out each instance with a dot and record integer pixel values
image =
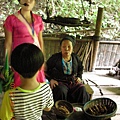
(70, 38)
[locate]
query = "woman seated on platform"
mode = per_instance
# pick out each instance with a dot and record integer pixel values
(64, 71)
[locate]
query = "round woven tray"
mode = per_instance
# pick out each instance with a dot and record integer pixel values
(68, 106)
(100, 109)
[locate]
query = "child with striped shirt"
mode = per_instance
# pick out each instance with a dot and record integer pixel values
(27, 101)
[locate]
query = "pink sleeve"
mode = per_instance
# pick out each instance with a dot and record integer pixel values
(41, 26)
(8, 23)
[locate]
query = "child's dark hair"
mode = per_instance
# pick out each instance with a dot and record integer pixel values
(27, 59)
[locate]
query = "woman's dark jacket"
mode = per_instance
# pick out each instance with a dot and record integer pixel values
(55, 69)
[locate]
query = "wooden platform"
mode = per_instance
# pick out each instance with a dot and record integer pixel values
(109, 86)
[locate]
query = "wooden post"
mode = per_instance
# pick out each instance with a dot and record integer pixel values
(96, 37)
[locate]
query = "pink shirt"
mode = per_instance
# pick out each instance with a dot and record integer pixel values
(19, 31)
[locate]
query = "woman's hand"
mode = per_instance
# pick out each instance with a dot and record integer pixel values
(53, 83)
(78, 80)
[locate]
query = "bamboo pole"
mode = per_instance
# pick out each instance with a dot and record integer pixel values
(90, 68)
(97, 35)
(59, 33)
(81, 40)
(110, 42)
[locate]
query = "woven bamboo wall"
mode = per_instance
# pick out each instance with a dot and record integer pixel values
(51, 47)
(108, 54)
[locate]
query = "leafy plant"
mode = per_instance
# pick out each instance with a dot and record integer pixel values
(71, 8)
(6, 76)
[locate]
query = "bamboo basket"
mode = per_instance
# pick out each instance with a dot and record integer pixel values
(100, 109)
(67, 105)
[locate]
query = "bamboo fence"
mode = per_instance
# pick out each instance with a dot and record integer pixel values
(108, 53)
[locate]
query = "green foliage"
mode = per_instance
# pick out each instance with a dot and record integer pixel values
(73, 8)
(6, 76)
(6, 79)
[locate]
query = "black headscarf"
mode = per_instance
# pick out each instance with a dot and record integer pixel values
(70, 38)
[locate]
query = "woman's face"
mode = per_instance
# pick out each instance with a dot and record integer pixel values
(29, 4)
(66, 48)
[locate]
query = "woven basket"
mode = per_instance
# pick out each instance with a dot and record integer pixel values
(68, 106)
(100, 109)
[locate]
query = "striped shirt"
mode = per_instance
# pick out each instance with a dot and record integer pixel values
(29, 104)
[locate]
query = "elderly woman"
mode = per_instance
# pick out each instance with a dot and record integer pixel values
(64, 72)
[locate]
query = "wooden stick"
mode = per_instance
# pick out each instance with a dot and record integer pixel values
(58, 33)
(91, 57)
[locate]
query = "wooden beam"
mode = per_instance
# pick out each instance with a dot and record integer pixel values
(109, 42)
(97, 34)
(59, 33)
